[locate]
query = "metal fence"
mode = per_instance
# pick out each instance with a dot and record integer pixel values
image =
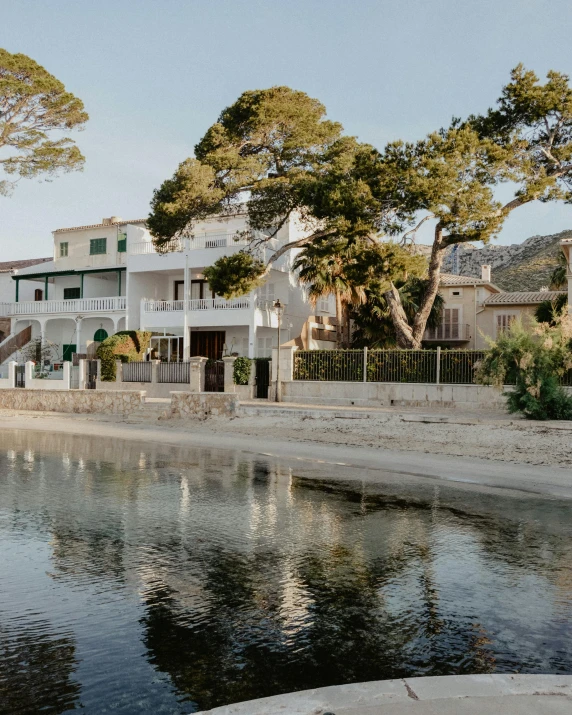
(137, 372)
(174, 372)
(424, 366)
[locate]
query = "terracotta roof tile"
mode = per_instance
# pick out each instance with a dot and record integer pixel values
(524, 297)
(100, 225)
(9, 266)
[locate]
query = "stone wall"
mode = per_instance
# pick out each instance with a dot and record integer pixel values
(381, 394)
(152, 389)
(81, 401)
(203, 404)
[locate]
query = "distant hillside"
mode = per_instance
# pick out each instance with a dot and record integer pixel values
(520, 266)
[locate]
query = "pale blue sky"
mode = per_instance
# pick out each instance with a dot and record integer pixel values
(154, 74)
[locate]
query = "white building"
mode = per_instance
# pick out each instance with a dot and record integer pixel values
(108, 277)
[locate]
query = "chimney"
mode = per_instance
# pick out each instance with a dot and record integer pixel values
(486, 273)
(111, 220)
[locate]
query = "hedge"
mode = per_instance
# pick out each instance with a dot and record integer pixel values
(126, 345)
(241, 372)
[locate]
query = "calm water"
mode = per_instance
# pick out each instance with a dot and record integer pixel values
(142, 579)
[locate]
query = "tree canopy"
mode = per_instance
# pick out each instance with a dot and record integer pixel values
(36, 114)
(275, 154)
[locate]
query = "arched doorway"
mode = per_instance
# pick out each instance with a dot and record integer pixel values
(100, 335)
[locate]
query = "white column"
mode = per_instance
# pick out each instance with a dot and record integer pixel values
(78, 334)
(29, 373)
(186, 287)
(252, 340)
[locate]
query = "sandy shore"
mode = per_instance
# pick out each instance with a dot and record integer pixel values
(477, 450)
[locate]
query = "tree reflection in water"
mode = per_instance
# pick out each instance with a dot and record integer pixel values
(231, 579)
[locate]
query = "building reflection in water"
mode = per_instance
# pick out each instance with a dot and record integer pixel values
(232, 577)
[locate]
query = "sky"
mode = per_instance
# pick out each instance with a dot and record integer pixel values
(155, 74)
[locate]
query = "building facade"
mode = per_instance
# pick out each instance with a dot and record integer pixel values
(108, 277)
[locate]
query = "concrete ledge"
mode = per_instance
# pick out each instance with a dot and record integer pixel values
(203, 404)
(387, 394)
(444, 695)
(80, 401)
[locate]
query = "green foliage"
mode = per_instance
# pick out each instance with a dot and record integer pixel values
(126, 345)
(536, 361)
(276, 148)
(241, 370)
(34, 104)
(235, 275)
(373, 326)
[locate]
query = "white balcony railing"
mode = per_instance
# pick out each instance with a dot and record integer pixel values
(78, 305)
(207, 240)
(165, 306)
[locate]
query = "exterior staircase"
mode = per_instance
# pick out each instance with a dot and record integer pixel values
(152, 410)
(14, 342)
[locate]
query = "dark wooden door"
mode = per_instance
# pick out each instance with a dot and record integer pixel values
(91, 374)
(207, 343)
(262, 377)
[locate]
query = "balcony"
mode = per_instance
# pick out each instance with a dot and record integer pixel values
(207, 312)
(448, 332)
(212, 240)
(79, 305)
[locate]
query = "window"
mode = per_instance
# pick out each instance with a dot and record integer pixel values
(71, 293)
(264, 347)
(451, 324)
(457, 292)
(266, 293)
(100, 335)
(64, 249)
(97, 246)
(324, 304)
(121, 243)
(38, 294)
(504, 321)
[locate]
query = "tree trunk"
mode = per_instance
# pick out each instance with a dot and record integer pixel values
(339, 320)
(410, 336)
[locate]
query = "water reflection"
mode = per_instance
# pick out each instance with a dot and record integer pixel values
(164, 580)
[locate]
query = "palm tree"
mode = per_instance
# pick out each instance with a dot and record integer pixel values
(558, 278)
(374, 326)
(324, 268)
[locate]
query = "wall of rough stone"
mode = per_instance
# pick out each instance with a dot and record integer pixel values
(381, 394)
(80, 401)
(203, 404)
(152, 389)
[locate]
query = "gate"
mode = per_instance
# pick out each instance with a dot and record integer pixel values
(20, 376)
(214, 376)
(262, 377)
(90, 374)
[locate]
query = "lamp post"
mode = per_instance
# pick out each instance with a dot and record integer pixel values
(279, 308)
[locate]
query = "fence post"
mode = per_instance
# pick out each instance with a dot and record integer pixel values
(197, 374)
(154, 370)
(118, 371)
(229, 374)
(82, 374)
(67, 375)
(365, 364)
(29, 373)
(12, 373)
(438, 370)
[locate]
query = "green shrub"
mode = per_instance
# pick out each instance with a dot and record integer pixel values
(241, 373)
(126, 345)
(536, 361)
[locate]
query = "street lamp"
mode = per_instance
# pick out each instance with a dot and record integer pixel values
(279, 308)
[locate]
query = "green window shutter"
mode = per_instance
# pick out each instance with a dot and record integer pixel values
(63, 249)
(97, 246)
(122, 243)
(100, 335)
(71, 293)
